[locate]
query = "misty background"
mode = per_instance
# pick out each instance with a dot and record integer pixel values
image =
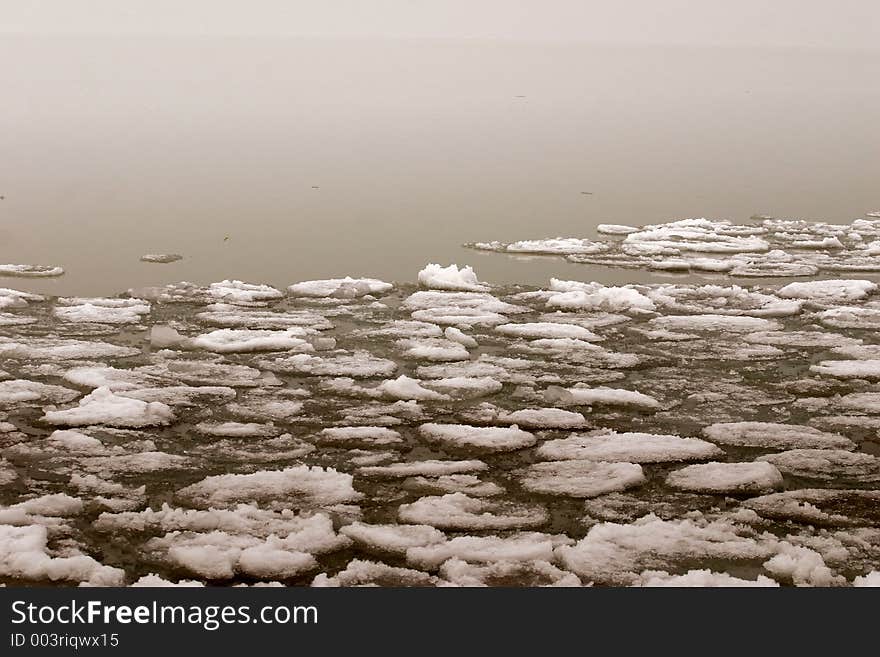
(278, 141)
(811, 23)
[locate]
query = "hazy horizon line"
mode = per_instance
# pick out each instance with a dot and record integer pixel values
(128, 34)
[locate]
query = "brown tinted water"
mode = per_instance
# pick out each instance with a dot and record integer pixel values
(283, 160)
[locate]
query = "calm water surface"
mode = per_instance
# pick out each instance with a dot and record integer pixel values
(282, 160)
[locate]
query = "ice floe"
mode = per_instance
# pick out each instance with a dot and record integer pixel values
(24, 555)
(437, 277)
(827, 465)
(359, 572)
(573, 295)
(488, 439)
(364, 435)
(31, 271)
(584, 396)
(547, 330)
(102, 311)
(461, 512)
(225, 341)
(774, 436)
(830, 292)
(427, 468)
(22, 392)
(16, 299)
(701, 579)
(360, 364)
(298, 485)
(631, 447)
(615, 553)
(516, 548)
(819, 506)
(392, 539)
(580, 478)
(340, 288)
(849, 369)
(238, 292)
(544, 418)
(730, 478)
(102, 406)
(62, 349)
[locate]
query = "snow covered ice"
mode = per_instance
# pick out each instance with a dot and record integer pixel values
(445, 431)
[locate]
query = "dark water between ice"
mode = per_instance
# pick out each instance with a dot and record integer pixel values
(277, 161)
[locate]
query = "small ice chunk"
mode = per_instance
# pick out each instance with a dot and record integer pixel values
(154, 581)
(60, 349)
(164, 337)
(774, 436)
(578, 396)
(31, 271)
(298, 484)
(451, 278)
(340, 288)
(849, 369)
(237, 429)
(15, 299)
(226, 341)
(455, 483)
(392, 539)
(701, 579)
(616, 229)
(75, 441)
(488, 439)
(557, 246)
(524, 546)
(871, 579)
(573, 295)
(500, 573)
(713, 323)
(102, 310)
(360, 435)
(463, 387)
(161, 258)
(830, 291)
(544, 418)
(614, 553)
(803, 566)
(238, 292)
(359, 364)
(370, 573)
(827, 464)
(428, 468)
(457, 335)
(459, 512)
(819, 506)
(851, 317)
(24, 556)
(102, 406)
(738, 478)
(580, 478)
(21, 391)
(631, 447)
(434, 350)
(403, 387)
(548, 330)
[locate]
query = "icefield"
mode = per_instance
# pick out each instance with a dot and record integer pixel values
(768, 248)
(450, 432)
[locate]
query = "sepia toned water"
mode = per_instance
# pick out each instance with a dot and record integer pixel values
(283, 160)
(432, 428)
